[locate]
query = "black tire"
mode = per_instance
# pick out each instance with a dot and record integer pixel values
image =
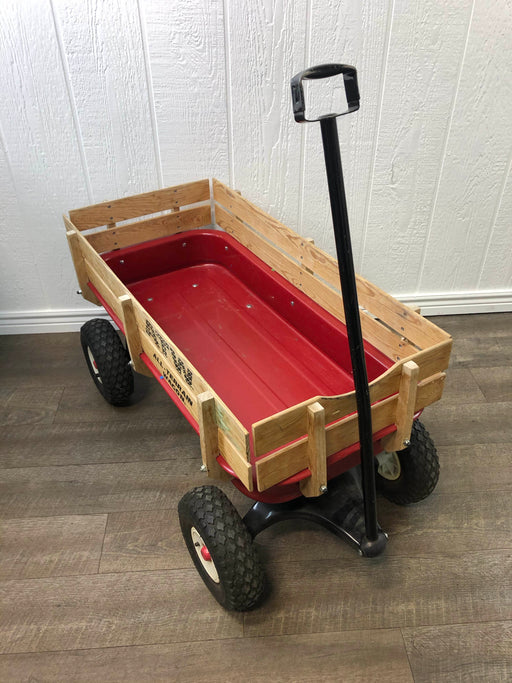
(209, 521)
(414, 472)
(108, 361)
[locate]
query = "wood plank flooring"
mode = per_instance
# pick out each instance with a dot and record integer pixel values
(96, 583)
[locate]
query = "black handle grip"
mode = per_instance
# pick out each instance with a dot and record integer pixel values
(324, 71)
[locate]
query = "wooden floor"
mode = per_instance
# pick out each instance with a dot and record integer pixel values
(96, 583)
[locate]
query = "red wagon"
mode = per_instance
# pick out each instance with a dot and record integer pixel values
(241, 321)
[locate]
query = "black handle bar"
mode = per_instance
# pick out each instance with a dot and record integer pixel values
(324, 71)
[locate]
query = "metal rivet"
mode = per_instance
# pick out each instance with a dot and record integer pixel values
(121, 260)
(184, 244)
(226, 248)
(195, 285)
(292, 303)
(323, 489)
(249, 306)
(78, 291)
(407, 443)
(150, 298)
(204, 468)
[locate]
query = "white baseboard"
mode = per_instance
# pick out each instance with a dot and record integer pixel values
(37, 322)
(70, 320)
(456, 303)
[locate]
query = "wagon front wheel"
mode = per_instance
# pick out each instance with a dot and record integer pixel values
(409, 475)
(221, 548)
(107, 361)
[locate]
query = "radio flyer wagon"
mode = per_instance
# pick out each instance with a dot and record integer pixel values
(304, 389)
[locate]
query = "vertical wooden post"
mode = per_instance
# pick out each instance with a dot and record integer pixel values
(209, 435)
(317, 455)
(79, 263)
(405, 408)
(131, 332)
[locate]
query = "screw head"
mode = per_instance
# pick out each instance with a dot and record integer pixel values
(407, 443)
(323, 489)
(203, 468)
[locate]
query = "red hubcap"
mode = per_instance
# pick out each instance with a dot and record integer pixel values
(206, 555)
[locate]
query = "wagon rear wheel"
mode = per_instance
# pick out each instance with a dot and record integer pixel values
(221, 548)
(108, 361)
(409, 475)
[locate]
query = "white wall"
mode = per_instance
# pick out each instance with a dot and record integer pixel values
(106, 98)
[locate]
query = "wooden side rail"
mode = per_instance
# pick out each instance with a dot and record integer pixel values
(108, 213)
(407, 325)
(144, 335)
(295, 457)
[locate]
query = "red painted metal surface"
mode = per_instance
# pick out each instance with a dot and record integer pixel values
(259, 342)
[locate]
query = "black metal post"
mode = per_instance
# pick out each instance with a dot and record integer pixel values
(355, 338)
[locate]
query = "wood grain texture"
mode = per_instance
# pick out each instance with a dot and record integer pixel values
(441, 590)
(357, 657)
(110, 610)
(186, 59)
(82, 443)
(465, 652)
(391, 592)
(93, 489)
(421, 73)
(103, 53)
(143, 541)
(496, 271)
(42, 146)
(447, 524)
(50, 546)
(23, 407)
(476, 158)
(265, 48)
(354, 34)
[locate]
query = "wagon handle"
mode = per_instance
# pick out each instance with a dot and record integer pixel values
(324, 71)
(374, 539)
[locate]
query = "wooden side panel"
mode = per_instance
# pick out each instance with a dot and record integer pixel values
(78, 262)
(398, 316)
(140, 205)
(181, 376)
(390, 343)
(131, 332)
(317, 456)
(150, 229)
(291, 424)
(405, 408)
(209, 435)
(293, 458)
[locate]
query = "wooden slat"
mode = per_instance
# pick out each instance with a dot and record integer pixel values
(131, 332)
(405, 408)
(374, 332)
(150, 229)
(397, 315)
(429, 391)
(140, 205)
(317, 457)
(293, 458)
(290, 424)
(208, 435)
(78, 262)
(110, 296)
(236, 459)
